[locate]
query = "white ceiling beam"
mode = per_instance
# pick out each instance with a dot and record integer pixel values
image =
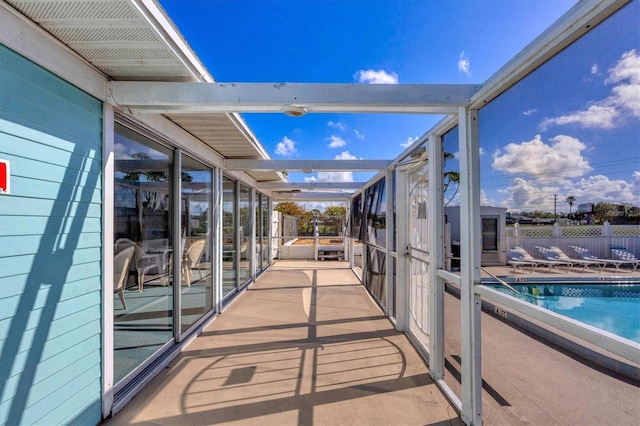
(174, 97)
(310, 185)
(307, 166)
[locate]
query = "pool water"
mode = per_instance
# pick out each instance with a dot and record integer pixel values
(611, 307)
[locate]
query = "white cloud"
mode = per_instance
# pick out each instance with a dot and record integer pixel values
(595, 116)
(286, 147)
(410, 140)
(530, 112)
(600, 188)
(337, 176)
(531, 195)
(121, 150)
(594, 69)
(609, 112)
(627, 68)
(484, 200)
(526, 195)
(555, 162)
(126, 151)
(346, 155)
(358, 134)
(340, 126)
(376, 77)
(464, 64)
(336, 142)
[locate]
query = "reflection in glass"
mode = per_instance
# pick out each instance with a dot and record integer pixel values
(244, 233)
(356, 216)
(375, 215)
(258, 233)
(228, 236)
(143, 304)
(375, 274)
(197, 278)
(451, 183)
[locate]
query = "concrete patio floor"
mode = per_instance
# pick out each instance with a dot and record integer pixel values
(304, 345)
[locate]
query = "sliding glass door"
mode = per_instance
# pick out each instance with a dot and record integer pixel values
(143, 294)
(229, 251)
(196, 272)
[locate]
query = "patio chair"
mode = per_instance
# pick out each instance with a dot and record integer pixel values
(121, 271)
(519, 258)
(585, 263)
(552, 256)
(585, 254)
(192, 260)
(626, 256)
(142, 261)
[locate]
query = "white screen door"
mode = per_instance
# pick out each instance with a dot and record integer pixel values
(418, 253)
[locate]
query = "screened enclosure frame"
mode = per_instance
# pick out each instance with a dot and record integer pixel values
(118, 97)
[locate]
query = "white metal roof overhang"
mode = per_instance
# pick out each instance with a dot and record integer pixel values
(134, 40)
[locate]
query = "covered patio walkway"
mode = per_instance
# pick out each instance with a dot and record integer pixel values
(305, 345)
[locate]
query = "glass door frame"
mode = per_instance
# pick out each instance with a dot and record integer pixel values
(214, 223)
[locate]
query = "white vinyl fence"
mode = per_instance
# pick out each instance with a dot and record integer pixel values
(598, 239)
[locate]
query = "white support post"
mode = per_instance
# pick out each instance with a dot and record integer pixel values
(108, 161)
(435, 216)
(351, 254)
(217, 240)
(316, 237)
(270, 232)
(176, 216)
(252, 240)
(402, 277)
(389, 241)
(238, 235)
(471, 349)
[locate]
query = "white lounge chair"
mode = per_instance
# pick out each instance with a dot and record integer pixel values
(519, 258)
(626, 256)
(585, 263)
(585, 254)
(552, 256)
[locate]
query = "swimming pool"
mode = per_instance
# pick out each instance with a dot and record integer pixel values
(612, 307)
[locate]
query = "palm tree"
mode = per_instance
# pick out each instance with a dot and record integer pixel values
(570, 200)
(450, 177)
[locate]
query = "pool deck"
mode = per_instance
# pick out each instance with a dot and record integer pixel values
(306, 345)
(575, 273)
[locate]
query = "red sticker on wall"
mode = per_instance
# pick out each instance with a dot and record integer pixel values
(5, 177)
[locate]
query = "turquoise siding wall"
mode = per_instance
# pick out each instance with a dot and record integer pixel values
(50, 248)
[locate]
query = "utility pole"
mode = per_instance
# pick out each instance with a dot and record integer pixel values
(555, 203)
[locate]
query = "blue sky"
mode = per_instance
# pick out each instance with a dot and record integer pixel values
(414, 41)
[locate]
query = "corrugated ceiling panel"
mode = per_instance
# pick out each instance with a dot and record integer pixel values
(117, 40)
(73, 10)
